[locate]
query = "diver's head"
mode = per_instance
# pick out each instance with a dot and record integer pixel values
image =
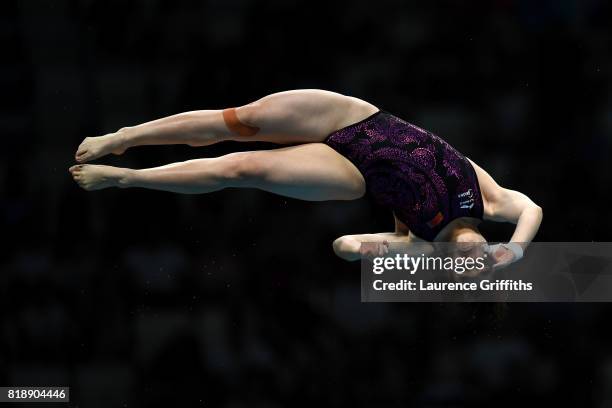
(462, 231)
(467, 242)
(466, 232)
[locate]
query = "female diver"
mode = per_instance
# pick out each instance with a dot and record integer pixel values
(340, 147)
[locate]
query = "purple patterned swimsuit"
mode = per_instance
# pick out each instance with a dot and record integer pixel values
(414, 173)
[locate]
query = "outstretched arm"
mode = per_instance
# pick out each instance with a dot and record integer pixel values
(515, 207)
(348, 247)
(505, 205)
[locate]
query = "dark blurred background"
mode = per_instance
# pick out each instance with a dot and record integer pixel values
(138, 298)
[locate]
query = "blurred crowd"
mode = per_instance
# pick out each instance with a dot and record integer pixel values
(235, 299)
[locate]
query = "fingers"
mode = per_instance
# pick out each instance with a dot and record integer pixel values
(381, 250)
(371, 250)
(503, 261)
(501, 255)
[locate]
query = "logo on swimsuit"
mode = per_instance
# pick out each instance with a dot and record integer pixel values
(435, 220)
(467, 199)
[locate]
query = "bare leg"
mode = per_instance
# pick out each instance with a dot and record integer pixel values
(313, 172)
(300, 116)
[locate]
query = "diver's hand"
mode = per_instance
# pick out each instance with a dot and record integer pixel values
(504, 254)
(371, 250)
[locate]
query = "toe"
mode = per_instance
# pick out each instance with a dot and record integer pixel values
(83, 158)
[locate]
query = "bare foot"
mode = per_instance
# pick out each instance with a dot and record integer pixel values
(93, 147)
(96, 177)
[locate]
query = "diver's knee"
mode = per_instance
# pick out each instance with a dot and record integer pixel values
(245, 168)
(353, 189)
(243, 121)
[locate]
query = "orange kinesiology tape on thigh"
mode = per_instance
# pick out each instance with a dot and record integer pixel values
(235, 125)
